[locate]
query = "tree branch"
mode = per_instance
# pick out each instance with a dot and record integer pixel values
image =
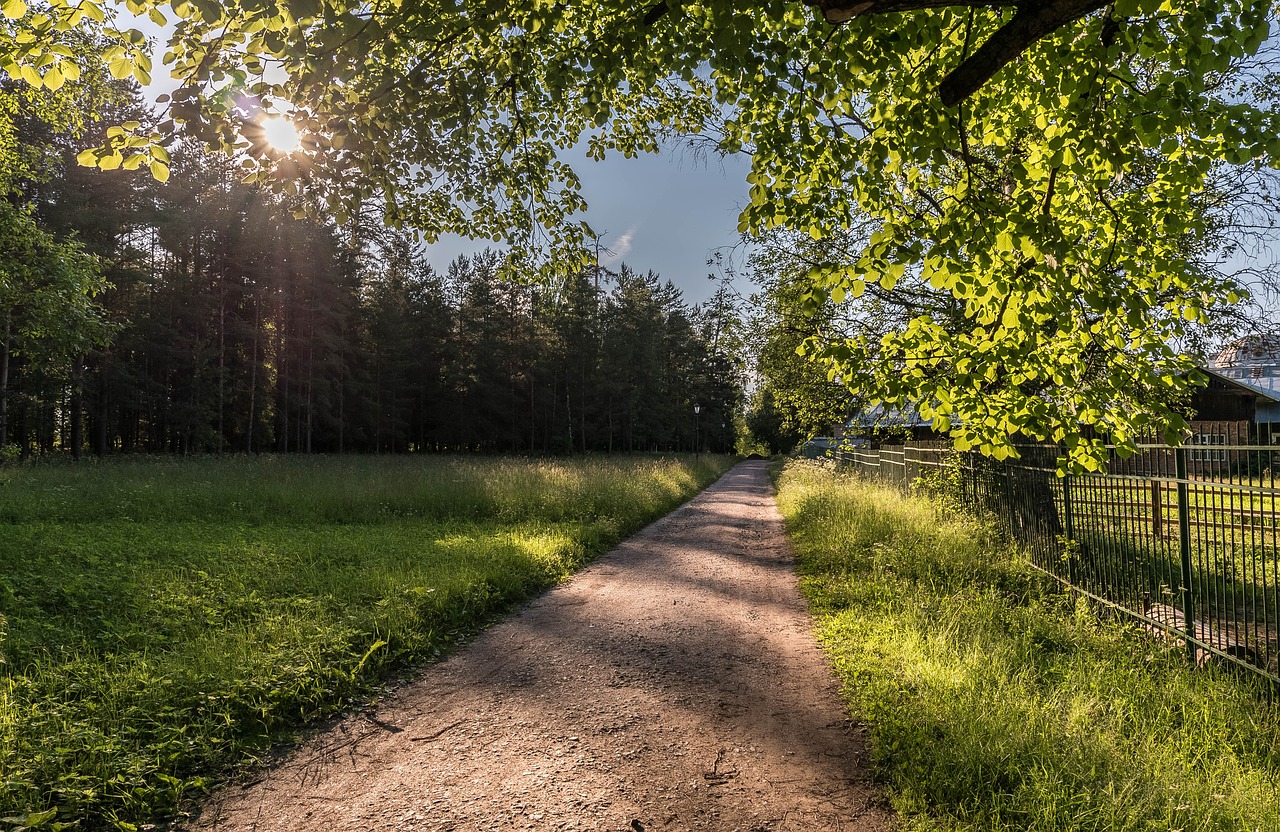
(838, 11)
(1032, 21)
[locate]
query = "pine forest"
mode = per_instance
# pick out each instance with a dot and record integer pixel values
(211, 319)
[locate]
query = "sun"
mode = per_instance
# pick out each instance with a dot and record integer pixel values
(281, 134)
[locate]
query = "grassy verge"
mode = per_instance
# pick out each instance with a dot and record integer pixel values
(997, 702)
(163, 621)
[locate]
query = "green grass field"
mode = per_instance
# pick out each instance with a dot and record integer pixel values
(997, 702)
(165, 621)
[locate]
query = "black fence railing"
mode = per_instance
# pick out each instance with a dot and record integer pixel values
(1186, 540)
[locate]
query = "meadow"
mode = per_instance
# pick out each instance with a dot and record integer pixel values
(996, 701)
(164, 622)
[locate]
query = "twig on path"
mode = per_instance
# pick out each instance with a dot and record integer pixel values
(311, 769)
(386, 726)
(438, 734)
(716, 777)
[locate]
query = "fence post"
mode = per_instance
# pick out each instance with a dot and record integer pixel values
(1157, 510)
(1069, 530)
(1184, 546)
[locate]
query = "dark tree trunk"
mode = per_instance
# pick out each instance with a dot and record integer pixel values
(4, 386)
(102, 427)
(76, 406)
(253, 386)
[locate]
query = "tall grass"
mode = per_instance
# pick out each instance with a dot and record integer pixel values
(165, 620)
(996, 701)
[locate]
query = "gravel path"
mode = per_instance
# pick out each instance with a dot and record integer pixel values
(673, 685)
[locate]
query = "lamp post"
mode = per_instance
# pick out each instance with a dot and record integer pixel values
(697, 446)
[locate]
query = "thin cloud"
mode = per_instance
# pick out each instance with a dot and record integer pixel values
(621, 246)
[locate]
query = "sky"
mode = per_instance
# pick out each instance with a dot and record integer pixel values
(668, 212)
(664, 212)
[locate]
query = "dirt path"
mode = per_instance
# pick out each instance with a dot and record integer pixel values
(673, 685)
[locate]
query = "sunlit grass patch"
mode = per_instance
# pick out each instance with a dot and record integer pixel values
(996, 701)
(165, 621)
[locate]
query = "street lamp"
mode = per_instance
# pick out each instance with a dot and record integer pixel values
(697, 446)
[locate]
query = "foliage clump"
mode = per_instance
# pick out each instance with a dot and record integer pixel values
(1047, 234)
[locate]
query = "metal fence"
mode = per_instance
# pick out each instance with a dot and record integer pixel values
(1186, 540)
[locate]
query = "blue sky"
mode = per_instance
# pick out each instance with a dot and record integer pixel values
(663, 212)
(666, 212)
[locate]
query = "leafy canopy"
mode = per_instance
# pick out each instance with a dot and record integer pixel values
(47, 313)
(1057, 209)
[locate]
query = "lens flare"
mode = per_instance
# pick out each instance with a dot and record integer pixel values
(281, 134)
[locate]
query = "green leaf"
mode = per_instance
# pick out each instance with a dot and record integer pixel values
(891, 275)
(303, 9)
(120, 67)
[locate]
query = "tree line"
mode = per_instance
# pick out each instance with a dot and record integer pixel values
(212, 319)
(1030, 253)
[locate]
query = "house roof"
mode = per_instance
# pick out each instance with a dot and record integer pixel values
(1249, 351)
(1267, 387)
(882, 417)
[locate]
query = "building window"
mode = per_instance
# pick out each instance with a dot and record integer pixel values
(1209, 447)
(1255, 372)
